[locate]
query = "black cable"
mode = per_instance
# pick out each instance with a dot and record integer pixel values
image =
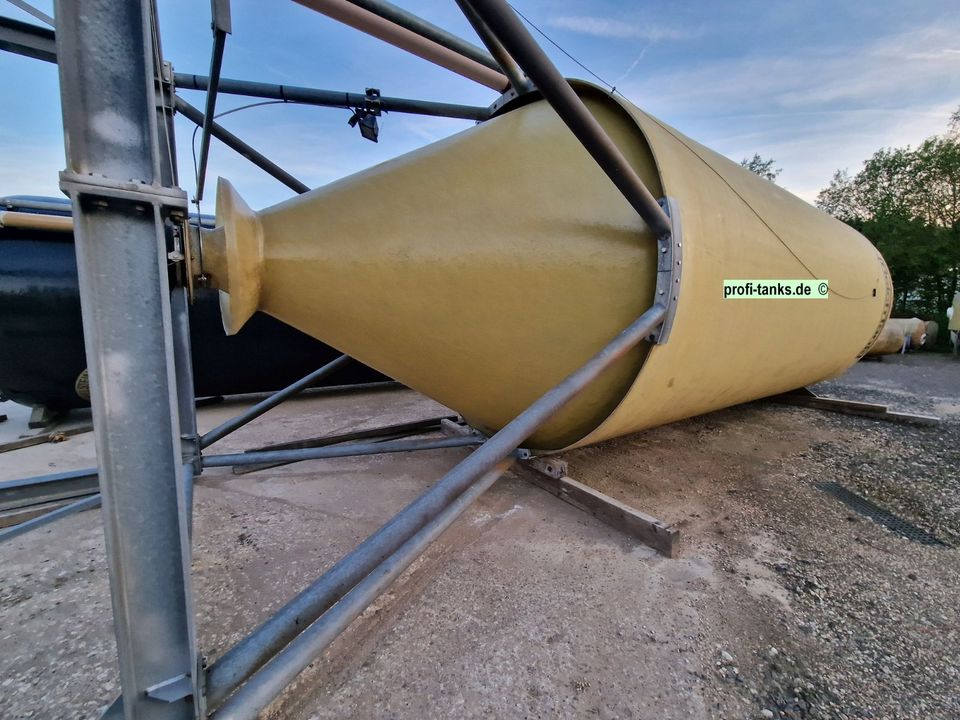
(527, 20)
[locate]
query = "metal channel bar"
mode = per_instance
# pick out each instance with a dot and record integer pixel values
(500, 18)
(224, 429)
(416, 24)
(398, 36)
(27, 39)
(45, 488)
(387, 432)
(248, 702)
(336, 451)
(518, 81)
(216, 59)
(222, 27)
(31, 10)
(120, 205)
(86, 503)
(243, 659)
(382, 434)
(330, 98)
(195, 116)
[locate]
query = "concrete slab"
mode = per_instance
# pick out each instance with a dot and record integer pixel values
(779, 599)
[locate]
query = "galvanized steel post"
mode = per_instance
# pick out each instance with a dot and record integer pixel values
(114, 177)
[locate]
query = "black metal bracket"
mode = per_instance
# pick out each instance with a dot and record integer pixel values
(366, 115)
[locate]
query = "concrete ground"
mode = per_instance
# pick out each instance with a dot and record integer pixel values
(782, 602)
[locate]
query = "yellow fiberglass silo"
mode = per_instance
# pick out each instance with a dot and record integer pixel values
(484, 268)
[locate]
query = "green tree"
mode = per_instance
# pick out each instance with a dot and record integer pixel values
(763, 168)
(907, 202)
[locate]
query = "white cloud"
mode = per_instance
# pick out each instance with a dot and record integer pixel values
(617, 29)
(886, 73)
(814, 111)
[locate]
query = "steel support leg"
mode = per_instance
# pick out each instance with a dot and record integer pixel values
(381, 552)
(120, 205)
(232, 141)
(337, 451)
(251, 699)
(518, 80)
(224, 429)
(507, 28)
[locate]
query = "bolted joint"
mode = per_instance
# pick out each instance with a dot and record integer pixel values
(669, 269)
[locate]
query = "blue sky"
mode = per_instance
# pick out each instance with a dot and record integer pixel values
(819, 86)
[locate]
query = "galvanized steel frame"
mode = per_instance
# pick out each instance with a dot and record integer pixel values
(122, 210)
(126, 206)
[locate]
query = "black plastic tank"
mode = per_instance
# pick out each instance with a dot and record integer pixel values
(42, 359)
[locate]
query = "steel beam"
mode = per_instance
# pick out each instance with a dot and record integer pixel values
(222, 26)
(506, 26)
(336, 451)
(46, 488)
(518, 80)
(27, 39)
(330, 98)
(31, 10)
(120, 207)
(251, 653)
(399, 36)
(232, 141)
(268, 403)
(381, 434)
(248, 702)
(86, 503)
(413, 23)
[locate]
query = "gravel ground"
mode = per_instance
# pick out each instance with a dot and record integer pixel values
(781, 603)
(873, 629)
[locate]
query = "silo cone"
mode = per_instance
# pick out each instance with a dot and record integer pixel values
(484, 268)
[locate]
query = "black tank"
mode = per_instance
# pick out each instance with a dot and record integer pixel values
(42, 358)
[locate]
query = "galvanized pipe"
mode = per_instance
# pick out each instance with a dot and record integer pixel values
(428, 30)
(86, 503)
(224, 429)
(28, 8)
(336, 451)
(381, 434)
(35, 221)
(508, 29)
(216, 61)
(232, 141)
(252, 652)
(330, 98)
(250, 700)
(35, 204)
(518, 81)
(396, 35)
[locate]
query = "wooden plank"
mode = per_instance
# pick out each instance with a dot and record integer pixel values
(852, 407)
(9, 518)
(626, 519)
(45, 437)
